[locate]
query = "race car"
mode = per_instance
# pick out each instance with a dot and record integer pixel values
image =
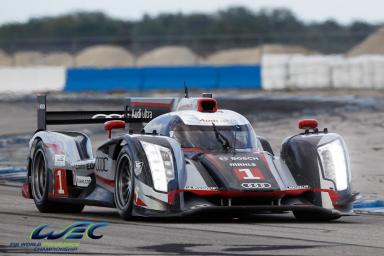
(185, 157)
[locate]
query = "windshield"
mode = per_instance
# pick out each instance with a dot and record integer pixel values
(205, 137)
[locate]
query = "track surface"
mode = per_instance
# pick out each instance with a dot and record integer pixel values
(256, 235)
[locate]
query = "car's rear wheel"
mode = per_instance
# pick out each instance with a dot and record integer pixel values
(39, 177)
(40, 181)
(124, 184)
(314, 216)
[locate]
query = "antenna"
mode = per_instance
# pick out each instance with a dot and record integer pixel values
(186, 93)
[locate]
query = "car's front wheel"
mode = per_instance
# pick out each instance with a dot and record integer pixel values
(124, 184)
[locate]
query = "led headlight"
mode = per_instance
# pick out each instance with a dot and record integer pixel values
(161, 165)
(334, 163)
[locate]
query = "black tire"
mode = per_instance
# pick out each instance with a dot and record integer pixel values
(314, 216)
(124, 184)
(40, 181)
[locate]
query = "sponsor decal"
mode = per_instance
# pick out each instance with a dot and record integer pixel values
(138, 168)
(238, 158)
(251, 185)
(85, 166)
(249, 174)
(59, 160)
(140, 113)
(229, 121)
(298, 187)
(236, 164)
(60, 182)
(218, 121)
(82, 181)
(101, 164)
(210, 121)
(201, 188)
(244, 158)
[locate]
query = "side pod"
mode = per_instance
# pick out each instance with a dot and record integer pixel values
(321, 160)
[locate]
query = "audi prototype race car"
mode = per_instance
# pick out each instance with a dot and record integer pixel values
(182, 157)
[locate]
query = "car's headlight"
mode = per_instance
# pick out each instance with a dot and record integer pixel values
(161, 164)
(334, 163)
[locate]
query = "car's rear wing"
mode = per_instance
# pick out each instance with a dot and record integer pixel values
(135, 111)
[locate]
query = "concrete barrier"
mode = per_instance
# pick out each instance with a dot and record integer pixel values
(32, 79)
(310, 71)
(275, 71)
(332, 71)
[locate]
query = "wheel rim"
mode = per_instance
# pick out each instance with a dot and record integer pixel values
(39, 177)
(124, 181)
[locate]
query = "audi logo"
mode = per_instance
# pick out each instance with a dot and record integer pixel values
(101, 164)
(256, 185)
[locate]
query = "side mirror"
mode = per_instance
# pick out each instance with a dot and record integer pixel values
(306, 124)
(113, 124)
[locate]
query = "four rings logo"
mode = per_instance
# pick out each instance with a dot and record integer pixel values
(101, 164)
(256, 185)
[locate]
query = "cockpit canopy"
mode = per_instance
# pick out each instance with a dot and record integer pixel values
(205, 137)
(208, 132)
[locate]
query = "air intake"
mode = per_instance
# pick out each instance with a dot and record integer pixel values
(207, 105)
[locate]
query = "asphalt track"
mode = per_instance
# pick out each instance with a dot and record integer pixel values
(257, 235)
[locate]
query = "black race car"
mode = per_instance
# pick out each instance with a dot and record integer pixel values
(190, 157)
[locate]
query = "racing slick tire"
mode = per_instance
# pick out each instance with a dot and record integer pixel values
(314, 216)
(124, 184)
(40, 179)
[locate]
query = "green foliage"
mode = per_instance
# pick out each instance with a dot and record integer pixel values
(233, 27)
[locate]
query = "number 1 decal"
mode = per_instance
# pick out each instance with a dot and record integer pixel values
(249, 174)
(61, 190)
(60, 184)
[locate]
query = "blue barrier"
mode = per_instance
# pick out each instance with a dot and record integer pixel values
(368, 204)
(149, 78)
(239, 77)
(94, 79)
